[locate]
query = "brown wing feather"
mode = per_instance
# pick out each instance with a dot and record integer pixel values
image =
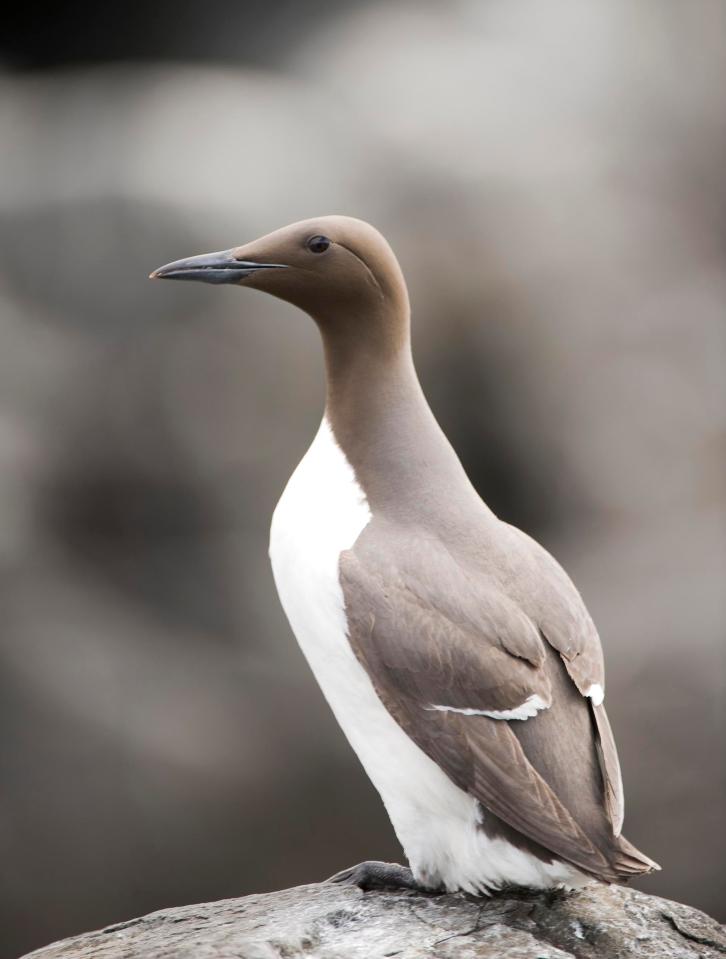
(440, 656)
(569, 629)
(608, 758)
(484, 757)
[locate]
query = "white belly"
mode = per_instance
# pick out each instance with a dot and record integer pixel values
(321, 513)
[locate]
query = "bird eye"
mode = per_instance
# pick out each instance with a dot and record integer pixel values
(318, 244)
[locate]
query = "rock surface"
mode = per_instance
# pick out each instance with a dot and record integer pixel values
(339, 922)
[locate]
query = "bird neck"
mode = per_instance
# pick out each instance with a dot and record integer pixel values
(382, 422)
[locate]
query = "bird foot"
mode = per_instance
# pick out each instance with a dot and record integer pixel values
(378, 875)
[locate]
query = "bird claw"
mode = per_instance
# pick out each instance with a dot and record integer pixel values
(376, 875)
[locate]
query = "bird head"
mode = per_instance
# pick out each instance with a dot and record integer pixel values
(338, 269)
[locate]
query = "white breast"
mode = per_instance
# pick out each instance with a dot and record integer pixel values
(321, 513)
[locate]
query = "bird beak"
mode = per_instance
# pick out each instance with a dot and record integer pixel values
(219, 267)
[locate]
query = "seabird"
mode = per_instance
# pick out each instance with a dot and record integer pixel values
(455, 652)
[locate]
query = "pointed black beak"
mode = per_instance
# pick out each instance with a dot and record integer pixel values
(212, 268)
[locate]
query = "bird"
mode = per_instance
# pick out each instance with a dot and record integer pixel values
(454, 651)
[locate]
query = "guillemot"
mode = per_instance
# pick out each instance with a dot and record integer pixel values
(455, 652)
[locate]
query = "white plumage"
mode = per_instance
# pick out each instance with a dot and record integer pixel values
(530, 707)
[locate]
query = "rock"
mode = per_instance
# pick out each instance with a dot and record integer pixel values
(339, 922)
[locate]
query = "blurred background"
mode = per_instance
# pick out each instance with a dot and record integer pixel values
(552, 177)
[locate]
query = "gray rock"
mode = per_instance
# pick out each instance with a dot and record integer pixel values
(338, 922)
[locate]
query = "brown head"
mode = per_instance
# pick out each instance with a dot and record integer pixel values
(338, 269)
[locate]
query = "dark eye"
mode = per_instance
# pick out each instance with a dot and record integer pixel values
(318, 244)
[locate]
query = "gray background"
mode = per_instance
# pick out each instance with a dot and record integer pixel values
(552, 179)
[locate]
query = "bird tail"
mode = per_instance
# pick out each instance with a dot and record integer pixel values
(627, 861)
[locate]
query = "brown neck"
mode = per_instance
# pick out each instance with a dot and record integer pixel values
(366, 358)
(381, 420)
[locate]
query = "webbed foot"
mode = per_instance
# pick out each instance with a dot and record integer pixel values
(378, 875)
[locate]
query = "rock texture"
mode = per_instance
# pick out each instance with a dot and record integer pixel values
(337, 922)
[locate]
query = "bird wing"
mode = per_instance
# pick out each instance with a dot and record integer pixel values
(446, 661)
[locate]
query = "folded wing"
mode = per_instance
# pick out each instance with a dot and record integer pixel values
(456, 662)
